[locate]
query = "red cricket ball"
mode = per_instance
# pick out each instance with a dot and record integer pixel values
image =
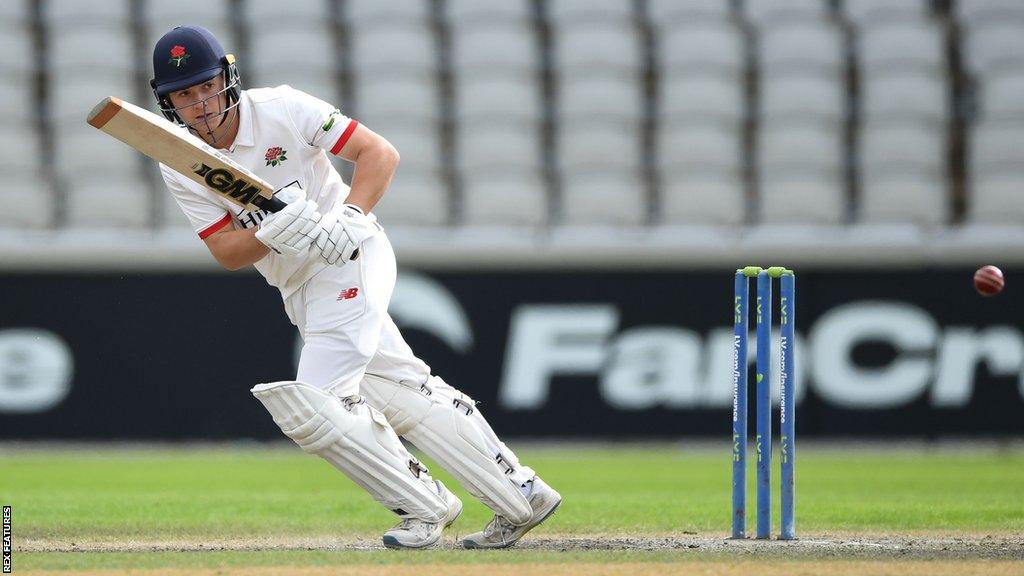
(988, 280)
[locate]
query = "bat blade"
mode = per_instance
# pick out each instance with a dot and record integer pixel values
(184, 153)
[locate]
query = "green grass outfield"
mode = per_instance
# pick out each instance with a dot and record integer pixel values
(169, 502)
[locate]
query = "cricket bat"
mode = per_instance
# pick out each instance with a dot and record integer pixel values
(184, 153)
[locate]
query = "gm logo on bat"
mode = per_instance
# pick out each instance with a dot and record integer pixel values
(224, 181)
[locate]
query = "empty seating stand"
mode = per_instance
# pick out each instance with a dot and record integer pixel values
(102, 180)
(562, 114)
(498, 110)
(598, 66)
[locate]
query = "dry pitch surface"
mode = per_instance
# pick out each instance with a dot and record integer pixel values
(574, 555)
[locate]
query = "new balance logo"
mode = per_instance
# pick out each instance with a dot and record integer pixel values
(348, 294)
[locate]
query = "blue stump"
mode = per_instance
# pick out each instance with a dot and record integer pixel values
(739, 406)
(787, 412)
(764, 405)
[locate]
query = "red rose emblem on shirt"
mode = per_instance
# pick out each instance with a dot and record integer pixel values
(178, 55)
(275, 156)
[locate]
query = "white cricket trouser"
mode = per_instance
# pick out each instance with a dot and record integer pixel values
(342, 316)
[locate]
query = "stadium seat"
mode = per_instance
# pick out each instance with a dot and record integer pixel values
(972, 13)
(184, 12)
(17, 98)
(20, 150)
(996, 198)
(800, 167)
(414, 198)
(664, 12)
(18, 102)
(408, 97)
(1002, 96)
(991, 47)
(708, 49)
(65, 15)
(215, 15)
(83, 149)
(802, 198)
(275, 60)
(697, 97)
(695, 148)
(84, 78)
(504, 198)
(17, 52)
(27, 202)
(809, 97)
(799, 147)
(15, 14)
(171, 215)
(263, 12)
(996, 170)
(294, 46)
(803, 47)
(898, 46)
(73, 51)
(486, 147)
(603, 197)
(393, 50)
(374, 12)
(597, 49)
(419, 144)
(769, 12)
(702, 199)
(73, 97)
(486, 49)
(599, 145)
(601, 97)
(510, 98)
(276, 48)
(906, 197)
(585, 11)
(322, 87)
(108, 201)
(471, 12)
(996, 146)
(921, 97)
(885, 146)
(866, 13)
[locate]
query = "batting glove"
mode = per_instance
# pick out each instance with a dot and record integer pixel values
(342, 233)
(290, 231)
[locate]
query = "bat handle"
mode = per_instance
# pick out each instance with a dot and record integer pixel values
(273, 204)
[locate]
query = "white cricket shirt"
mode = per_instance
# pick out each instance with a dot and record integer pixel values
(283, 136)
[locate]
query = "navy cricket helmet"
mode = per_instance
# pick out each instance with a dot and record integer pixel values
(186, 56)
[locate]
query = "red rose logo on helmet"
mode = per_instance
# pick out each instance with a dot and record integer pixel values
(178, 55)
(275, 156)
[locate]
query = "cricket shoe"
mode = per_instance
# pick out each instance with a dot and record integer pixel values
(415, 533)
(501, 533)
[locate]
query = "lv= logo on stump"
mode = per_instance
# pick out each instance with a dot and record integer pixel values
(762, 400)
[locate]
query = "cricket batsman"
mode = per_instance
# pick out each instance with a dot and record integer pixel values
(359, 386)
